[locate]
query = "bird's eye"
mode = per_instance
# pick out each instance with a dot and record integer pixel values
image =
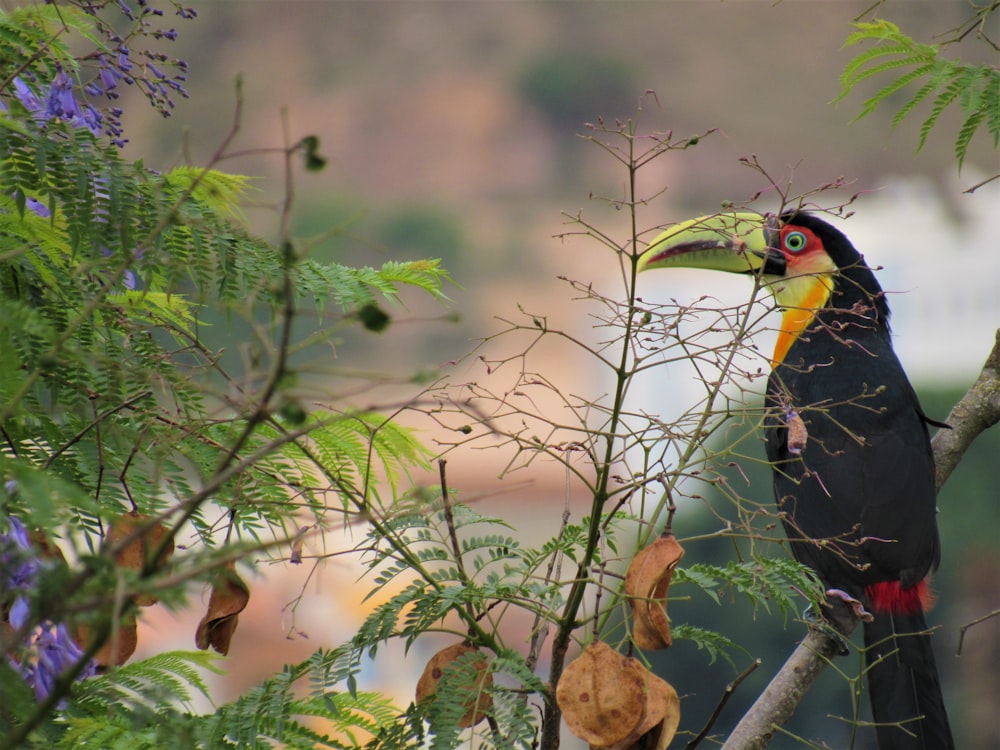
(795, 242)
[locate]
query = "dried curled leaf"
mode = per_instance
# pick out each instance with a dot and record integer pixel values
(646, 583)
(229, 597)
(798, 435)
(602, 695)
(479, 702)
(659, 725)
(136, 536)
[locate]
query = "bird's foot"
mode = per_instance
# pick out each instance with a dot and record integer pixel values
(827, 627)
(838, 618)
(858, 610)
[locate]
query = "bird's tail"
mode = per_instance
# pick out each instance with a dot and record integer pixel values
(905, 691)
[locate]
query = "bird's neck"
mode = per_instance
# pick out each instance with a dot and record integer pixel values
(801, 298)
(852, 308)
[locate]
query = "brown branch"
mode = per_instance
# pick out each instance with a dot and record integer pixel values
(976, 411)
(777, 703)
(726, 695)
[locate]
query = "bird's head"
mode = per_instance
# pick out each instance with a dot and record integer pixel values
(803, 261)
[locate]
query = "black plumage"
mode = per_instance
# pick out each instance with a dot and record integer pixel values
(858, 501)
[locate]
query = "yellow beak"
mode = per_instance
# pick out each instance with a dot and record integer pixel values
(736, 241)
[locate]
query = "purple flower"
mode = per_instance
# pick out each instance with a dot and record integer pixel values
(128, 278)
(18, 566)
(60, 102)
(109, 75)
(37, 207)
(48, 650)
(26, 96)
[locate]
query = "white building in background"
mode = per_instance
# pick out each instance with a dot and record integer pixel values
(939, 253)
(936, 252)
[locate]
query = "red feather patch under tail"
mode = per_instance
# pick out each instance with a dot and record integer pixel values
(892, 596)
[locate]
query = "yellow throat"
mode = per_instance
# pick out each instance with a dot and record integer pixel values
(800, 298)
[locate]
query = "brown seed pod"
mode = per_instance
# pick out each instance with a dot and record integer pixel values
(148, 535)
(119, 647)
(479, 702)
(646, 583)
(229, 597)
(602, 695)
(662, 716)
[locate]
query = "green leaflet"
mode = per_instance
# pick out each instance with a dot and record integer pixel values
(976, 88)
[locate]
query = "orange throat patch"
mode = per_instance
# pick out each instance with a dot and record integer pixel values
(801, 297)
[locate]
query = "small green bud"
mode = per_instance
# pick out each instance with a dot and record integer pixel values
(373, 317)
(293, 412)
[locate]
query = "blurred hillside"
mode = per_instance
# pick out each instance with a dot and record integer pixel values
(452, 130)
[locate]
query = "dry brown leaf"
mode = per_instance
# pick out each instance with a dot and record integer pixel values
(46, 547)
(798, 435)
(229, 597)
(601, 694)
(480, 701)
(148, 539)
(646, 583)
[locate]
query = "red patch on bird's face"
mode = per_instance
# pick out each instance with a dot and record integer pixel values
(798, 243)
(804, 252)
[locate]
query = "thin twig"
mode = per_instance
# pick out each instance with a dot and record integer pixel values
(977, 621)
(726, 695)
(449, 520)
(538, 630)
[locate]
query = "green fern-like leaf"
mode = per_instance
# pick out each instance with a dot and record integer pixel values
(221, 192)
(965, 133)
(766, 582)
(714, 643)
(157, 680)
(891, 88)
(941, 102)
(975, 88)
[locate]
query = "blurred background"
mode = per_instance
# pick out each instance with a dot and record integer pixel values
(453, 130)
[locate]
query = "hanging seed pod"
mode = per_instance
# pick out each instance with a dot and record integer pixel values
(602, 695)
(646, 583)
(659, 725)
(229, 597)
(478, 687)
(119, 647)
(148, 536)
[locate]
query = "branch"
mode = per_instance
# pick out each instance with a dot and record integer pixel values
(976, 411)
(777, 703)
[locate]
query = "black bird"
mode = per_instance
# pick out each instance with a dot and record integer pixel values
(849, 446)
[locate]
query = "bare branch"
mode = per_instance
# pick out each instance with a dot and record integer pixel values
(975, 412)
(777, 703)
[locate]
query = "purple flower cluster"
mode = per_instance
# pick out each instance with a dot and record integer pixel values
(58, 103)
(159, 77)
(48, 650)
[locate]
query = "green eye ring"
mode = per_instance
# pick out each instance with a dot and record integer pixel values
(795, 242)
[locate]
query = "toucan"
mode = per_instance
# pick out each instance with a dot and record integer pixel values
(849, 447)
